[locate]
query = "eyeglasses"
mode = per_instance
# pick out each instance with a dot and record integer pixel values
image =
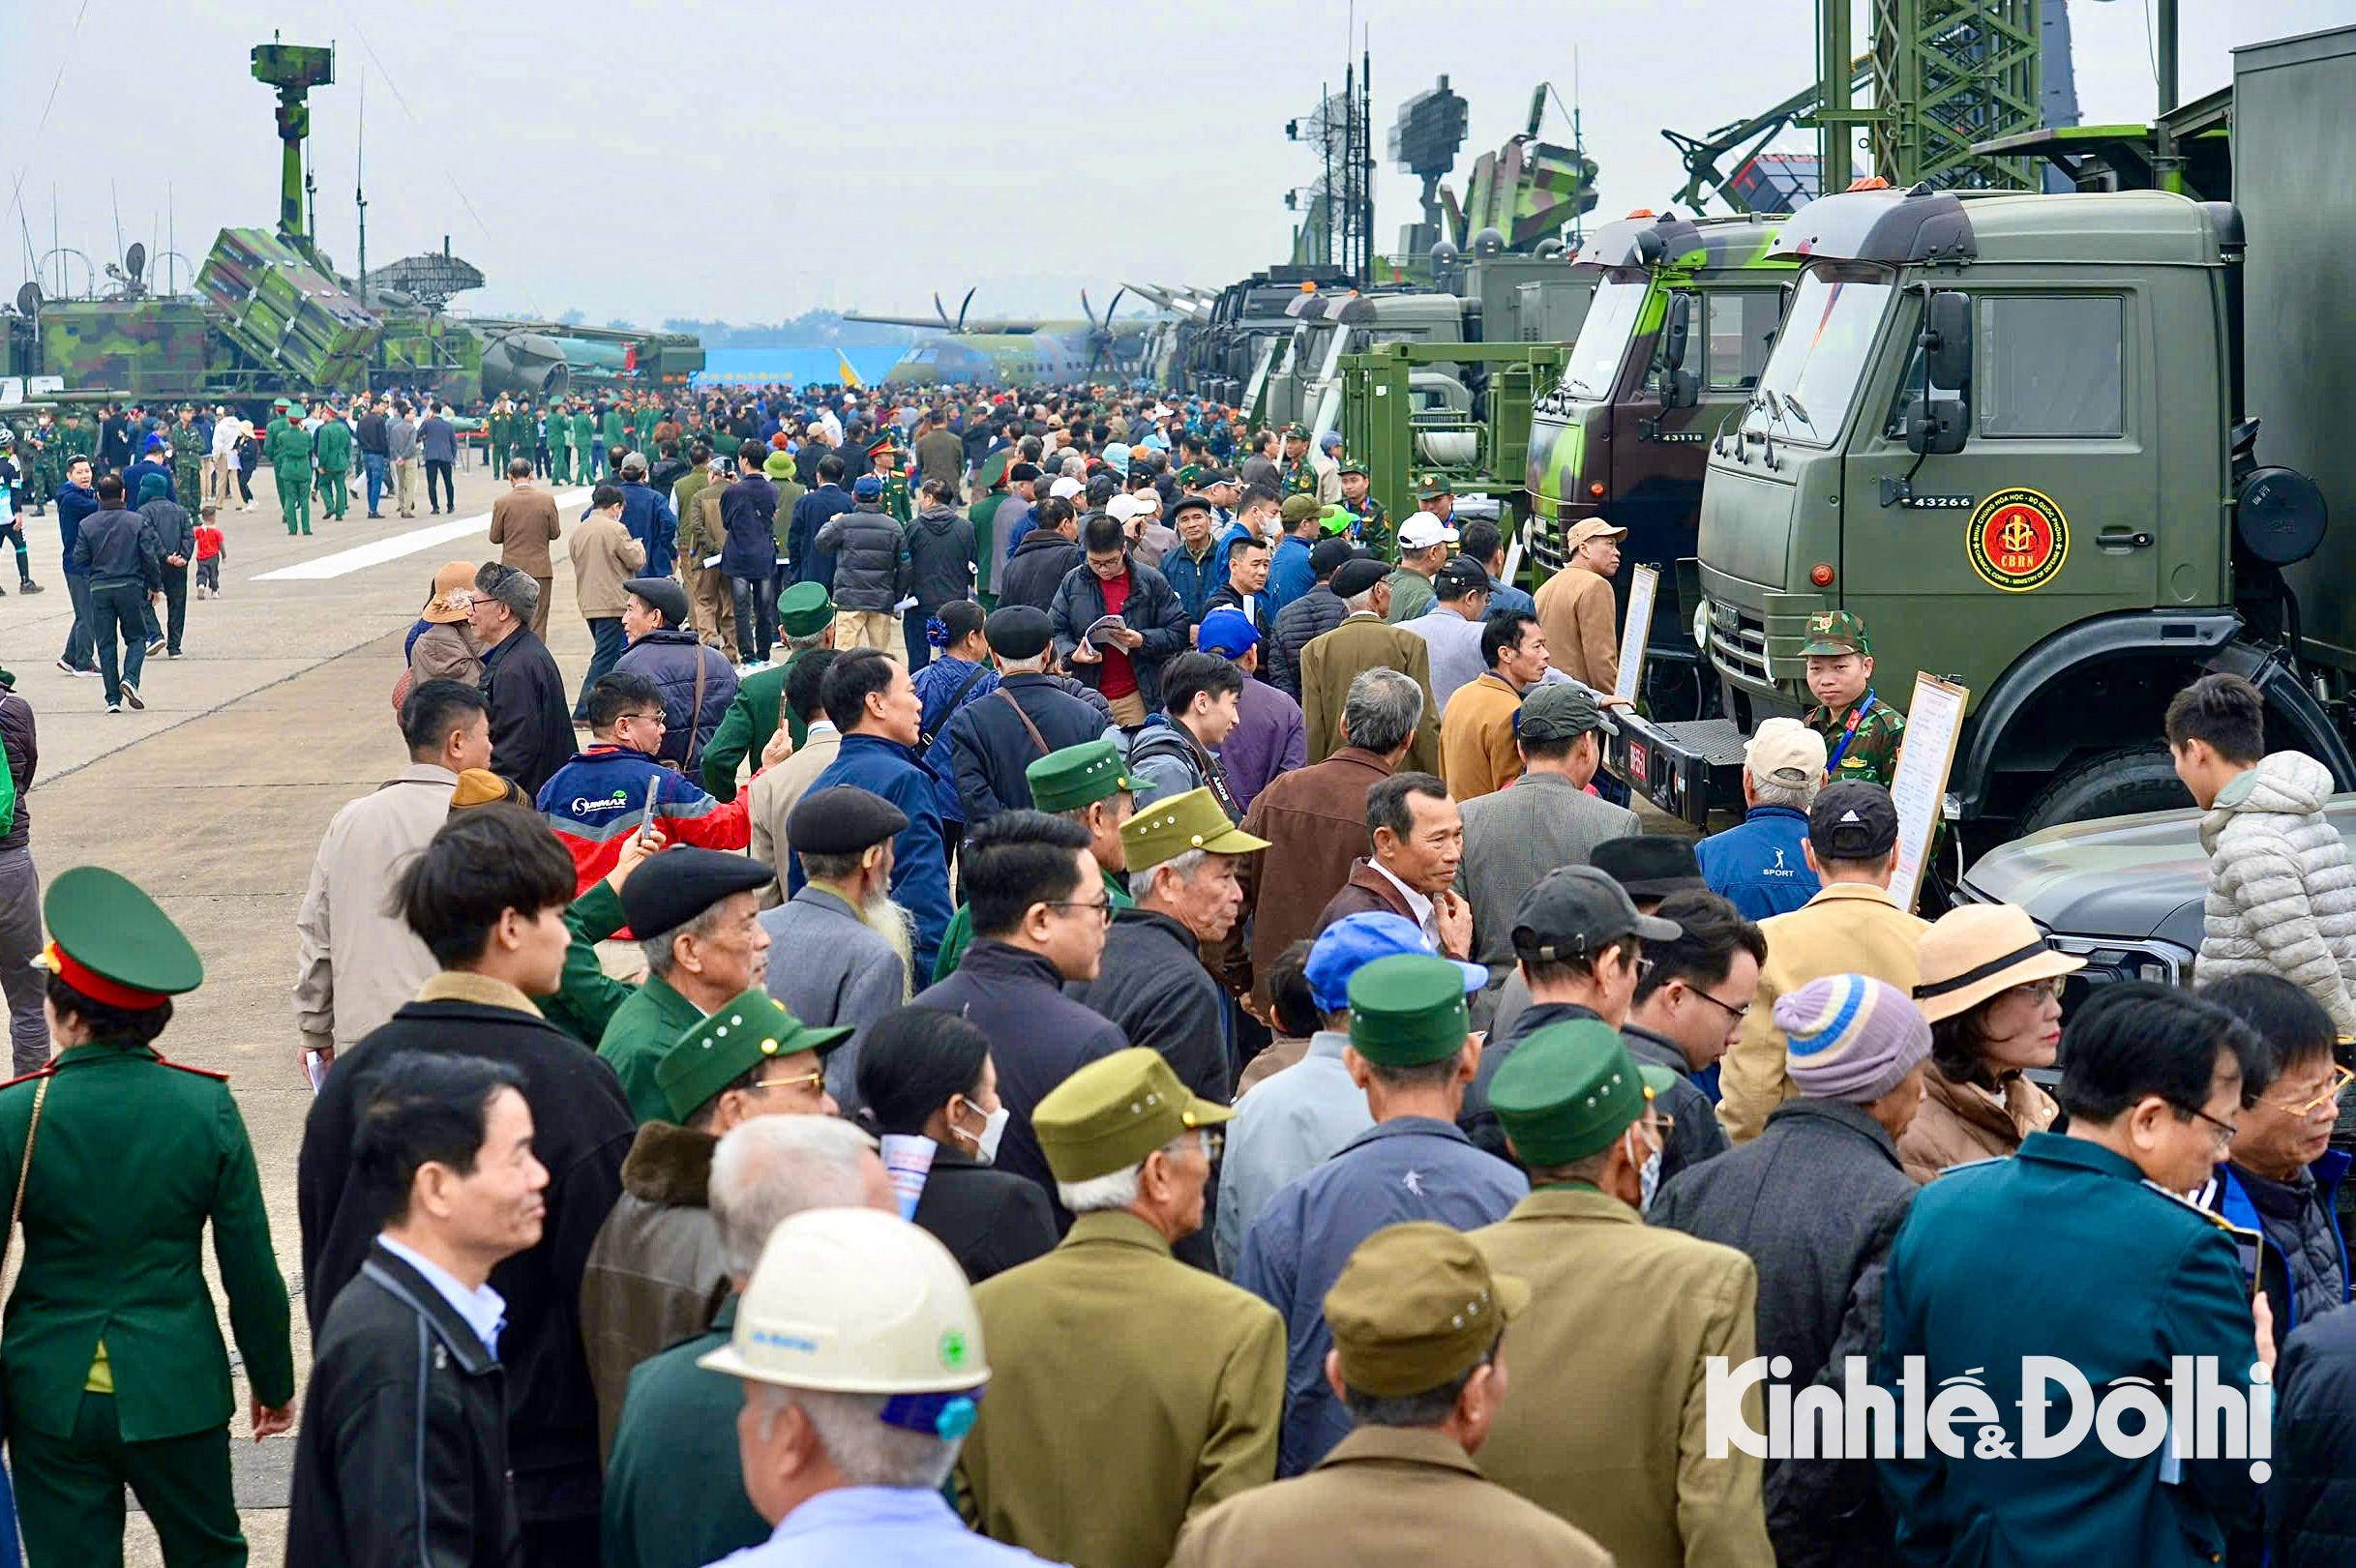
(1103, 908)
(800, 1081)
(1643, 970)
(655, 719)
(2040, 990)
(1736, 1014)
(2226, 1132)
(2341, 1077)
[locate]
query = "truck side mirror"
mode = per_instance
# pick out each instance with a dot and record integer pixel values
(1947, 340)
(1936, 426)
(1679, 388)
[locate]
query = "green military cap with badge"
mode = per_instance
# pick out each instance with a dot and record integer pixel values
(109, 941)
(1297, 431)
(1408, 1011)
(1570, 1089)
(1112, 1113)
(1175, 824)
(717, 1050)
(1187, 474)
(1077, 776)
(1836, 632)
(1432, 487)
(805, 609)
(1416, 1308)
(1352, 467)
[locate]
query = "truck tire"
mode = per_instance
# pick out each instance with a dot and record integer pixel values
(2115, 783)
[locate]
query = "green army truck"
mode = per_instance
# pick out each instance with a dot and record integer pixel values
(2020, 435)
(1455, 411)
(1304, 387)
(1674, 341)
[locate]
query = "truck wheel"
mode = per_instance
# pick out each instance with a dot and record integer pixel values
(2140, 779)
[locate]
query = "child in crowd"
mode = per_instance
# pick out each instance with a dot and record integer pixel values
(210, 549)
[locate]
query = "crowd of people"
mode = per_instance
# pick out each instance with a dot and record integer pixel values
(1133, 1027)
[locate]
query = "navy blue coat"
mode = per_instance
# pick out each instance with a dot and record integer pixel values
(748, 512)
(2061, 1251)
(652, 523)
(2311, 1508)
(812, 512)
(920, 856)
(669, 658)
(1757, 867)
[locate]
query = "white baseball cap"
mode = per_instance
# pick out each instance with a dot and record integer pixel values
(1066, 488)
(1423, 530)
(856, 1301)
(1121, 508)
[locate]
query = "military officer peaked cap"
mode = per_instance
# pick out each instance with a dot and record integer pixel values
(109, 941)
(717, 1050)
(1115, 1111)
(1175, 824)
(1075, 776)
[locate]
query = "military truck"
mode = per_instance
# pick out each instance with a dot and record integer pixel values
(1677, 335)
(2070, 451)
(1304, 386)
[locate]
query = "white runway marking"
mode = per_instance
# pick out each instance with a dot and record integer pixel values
(360, 557)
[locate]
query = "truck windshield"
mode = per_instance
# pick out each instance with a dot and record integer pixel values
(1593, 369)
(1811, 378)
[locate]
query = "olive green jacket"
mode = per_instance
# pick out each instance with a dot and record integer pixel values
(1128, 1392)
(132, 1159)
(640, 1031)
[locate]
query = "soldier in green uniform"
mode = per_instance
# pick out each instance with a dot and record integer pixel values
(891, 463)
(611, 427)
(189, 450)
(1862, 733)
(672, 891)
(112, 1358)
(992, 485)
(591, 461)
(499, 425)
(332, 442)
(1295, 475)
(1089, 782)
(1370, 524)
(79, 438)
(44, 447)
(806, 615)
(286, 449)
(559, 445)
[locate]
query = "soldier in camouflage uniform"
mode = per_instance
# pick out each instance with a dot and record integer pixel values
(1370, 524)
(43, 447)
(1295, 475)
(189, 450)
(1862, 733)
(286, 449)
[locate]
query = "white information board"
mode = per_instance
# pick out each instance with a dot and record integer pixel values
(1934, 719)
(1643, 589)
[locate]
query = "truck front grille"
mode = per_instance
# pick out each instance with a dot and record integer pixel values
(1737, 641)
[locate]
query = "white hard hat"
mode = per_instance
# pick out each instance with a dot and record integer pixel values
(856, 1301)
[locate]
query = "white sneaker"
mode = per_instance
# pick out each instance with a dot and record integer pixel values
(203, 592)
(114, 707)
(131, 694)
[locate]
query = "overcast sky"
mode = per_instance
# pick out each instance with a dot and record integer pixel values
(748, 162)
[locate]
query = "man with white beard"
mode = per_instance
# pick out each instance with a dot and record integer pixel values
(844, 945)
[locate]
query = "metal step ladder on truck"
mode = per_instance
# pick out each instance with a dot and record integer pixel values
(2018, 435)
(1674, 343)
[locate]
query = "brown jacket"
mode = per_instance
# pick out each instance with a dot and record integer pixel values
(1384, 1495)
(1848, 928)
(524, 523)
(1332, 661)
(654, 1275)
(1477, 756)
(446, 651)
(1368, 892)
(1958, 1123)
(605, 556)
(1314, 819)
(1582, 625)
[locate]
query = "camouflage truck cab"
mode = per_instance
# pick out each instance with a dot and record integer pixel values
(1673, 343)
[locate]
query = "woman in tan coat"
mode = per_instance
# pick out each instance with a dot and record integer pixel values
(1992, 989)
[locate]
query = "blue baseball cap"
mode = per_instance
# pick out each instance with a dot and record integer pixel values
(867, 487)
(1354, 941)
(1227, 632)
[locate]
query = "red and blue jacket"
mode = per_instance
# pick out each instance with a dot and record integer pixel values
(592, 804)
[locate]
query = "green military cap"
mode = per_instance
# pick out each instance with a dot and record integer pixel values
(1570, 1089)
(1075, 776)
(1187, 474)
(1299, 508)
(109, 941)
(1837, 631)
(1416, 1308)
(1115, 1111)
(1408, 1010)
(1176, 823)
(1353, 468)
(1297, 431)
(1432, 487)
(804, 610)
(717, 1050)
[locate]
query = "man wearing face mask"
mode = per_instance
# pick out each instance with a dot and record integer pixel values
(1578, 1115)
(849, 942)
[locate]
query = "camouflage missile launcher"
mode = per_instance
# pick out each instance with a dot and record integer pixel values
(293, 320)
(150, 347)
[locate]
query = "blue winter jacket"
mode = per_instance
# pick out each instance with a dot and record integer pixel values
(1757, 867)
(920, 861)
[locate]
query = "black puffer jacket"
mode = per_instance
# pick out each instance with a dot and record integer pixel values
(670, 658)
(1298, 625)
(2311, 1505)
(870, 557)
(402, 1454)
(940, 559)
